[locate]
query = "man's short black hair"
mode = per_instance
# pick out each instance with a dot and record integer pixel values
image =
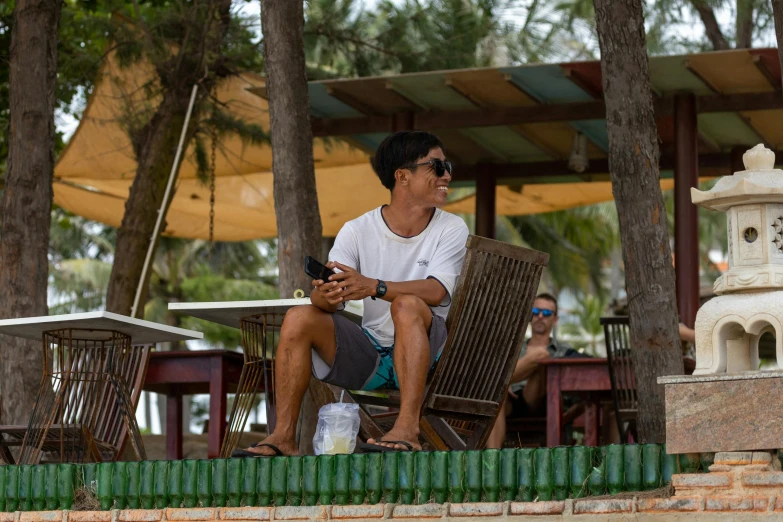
(548, 297)
(401, 149)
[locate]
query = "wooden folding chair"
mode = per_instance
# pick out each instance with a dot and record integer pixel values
(621, 374)
(89, 423)
(486, 328)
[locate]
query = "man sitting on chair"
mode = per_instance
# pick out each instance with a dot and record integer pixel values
(526, 395)
(403, 260)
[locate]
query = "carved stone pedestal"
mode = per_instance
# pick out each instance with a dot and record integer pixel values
(723, 412)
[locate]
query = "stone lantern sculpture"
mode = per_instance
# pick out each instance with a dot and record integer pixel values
(750, 292)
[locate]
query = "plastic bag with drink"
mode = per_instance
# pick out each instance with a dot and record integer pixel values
(338, 426)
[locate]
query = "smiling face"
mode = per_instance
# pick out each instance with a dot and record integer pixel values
(421, 183)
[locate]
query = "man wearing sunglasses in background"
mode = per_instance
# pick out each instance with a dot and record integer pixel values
(527, 394)
(402, 260)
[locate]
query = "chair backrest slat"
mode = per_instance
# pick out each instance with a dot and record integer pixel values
(487, 321)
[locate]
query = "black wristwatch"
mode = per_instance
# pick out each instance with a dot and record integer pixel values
(380, 290)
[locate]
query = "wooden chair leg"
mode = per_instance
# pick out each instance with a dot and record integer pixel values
(5, 453)
(447, 438)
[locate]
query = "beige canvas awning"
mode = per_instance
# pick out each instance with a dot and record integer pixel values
(94, 173)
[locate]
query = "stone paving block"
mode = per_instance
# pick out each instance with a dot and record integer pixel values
(476, 509)
(734, 458)
(719, 468)
(669, 504)
(422, 511)
(701, 480)
(351, 512)
(761, 457)
(736, 503)
(89, 516)
(301, 513)
(603, 506)
(245, 513)
(194, 514)
(39, 516)
(762, 478)
(554, 507)
(140, 515)
(7, 517)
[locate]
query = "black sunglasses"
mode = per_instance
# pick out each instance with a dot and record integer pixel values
(438, 165)
(543, 311)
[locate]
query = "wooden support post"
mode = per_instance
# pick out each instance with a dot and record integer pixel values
(686, 220)
(485, 202)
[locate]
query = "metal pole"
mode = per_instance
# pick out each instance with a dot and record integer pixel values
(686, 224)
(163, 204)
(485, 202)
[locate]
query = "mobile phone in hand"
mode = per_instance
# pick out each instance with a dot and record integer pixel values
(317, 270)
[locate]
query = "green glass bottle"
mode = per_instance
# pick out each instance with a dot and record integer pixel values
(12, 489)
(89, 478)
(105, 491)
(249, 481)
(219, 482)
(66, 485)
(310, 480)
(561, 472)
(580, 470)
(39, 488)
(632, 458)
(457, 476)
(423, 484)
(440, 476)
(651, 466)
(176, 493)
(615, 480)
(326, 479)
(342, 479)
(132, 500)
(161, 472)
(26, 487)
(690, 462)
(490, 474)
(358, 478)
(204, 483)
(473, 480)
(545, 482)
(50, 488)
(280, 480)
(119, 485)
(596, 483)
(3, 486)
(294, 481)
(508, 474)
(147, 484)
(234, 482)
(526, 477)
(670, 465)
(374, 478)
(407, 470)
(189, 483)
(264, 486)
(391, 484)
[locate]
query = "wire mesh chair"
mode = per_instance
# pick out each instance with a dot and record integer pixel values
(86, 404)
(621, 374)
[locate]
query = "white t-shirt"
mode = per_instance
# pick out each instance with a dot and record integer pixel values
(369, 246)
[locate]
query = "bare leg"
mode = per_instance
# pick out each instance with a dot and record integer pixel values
(498, 435)
(304, 328)
(412, 320)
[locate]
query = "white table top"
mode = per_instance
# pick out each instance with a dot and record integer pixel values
(140, 331)
(230, 313)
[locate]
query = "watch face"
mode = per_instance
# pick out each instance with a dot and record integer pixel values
(381, 288)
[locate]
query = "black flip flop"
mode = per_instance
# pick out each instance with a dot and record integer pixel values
(377, 448)
(243, 454)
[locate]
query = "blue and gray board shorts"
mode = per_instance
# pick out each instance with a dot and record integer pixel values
(361, 363)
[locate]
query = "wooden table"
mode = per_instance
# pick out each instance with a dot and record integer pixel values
(588, 378)
(178, 373)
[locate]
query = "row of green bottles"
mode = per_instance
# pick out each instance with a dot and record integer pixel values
(408, 478)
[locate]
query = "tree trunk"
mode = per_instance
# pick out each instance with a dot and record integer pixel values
(296, 200)
(711, 27)
(777, 12)
(27, 203)
(633, 165)
(744, 24)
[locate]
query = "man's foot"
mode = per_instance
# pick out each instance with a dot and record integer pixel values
(411, 438)
(287, 447)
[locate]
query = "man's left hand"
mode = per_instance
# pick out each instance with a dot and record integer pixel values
(354, 285)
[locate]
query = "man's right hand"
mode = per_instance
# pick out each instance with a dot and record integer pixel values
(327, 295)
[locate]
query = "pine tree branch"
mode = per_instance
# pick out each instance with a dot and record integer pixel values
(744, 24)
(711, 27)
